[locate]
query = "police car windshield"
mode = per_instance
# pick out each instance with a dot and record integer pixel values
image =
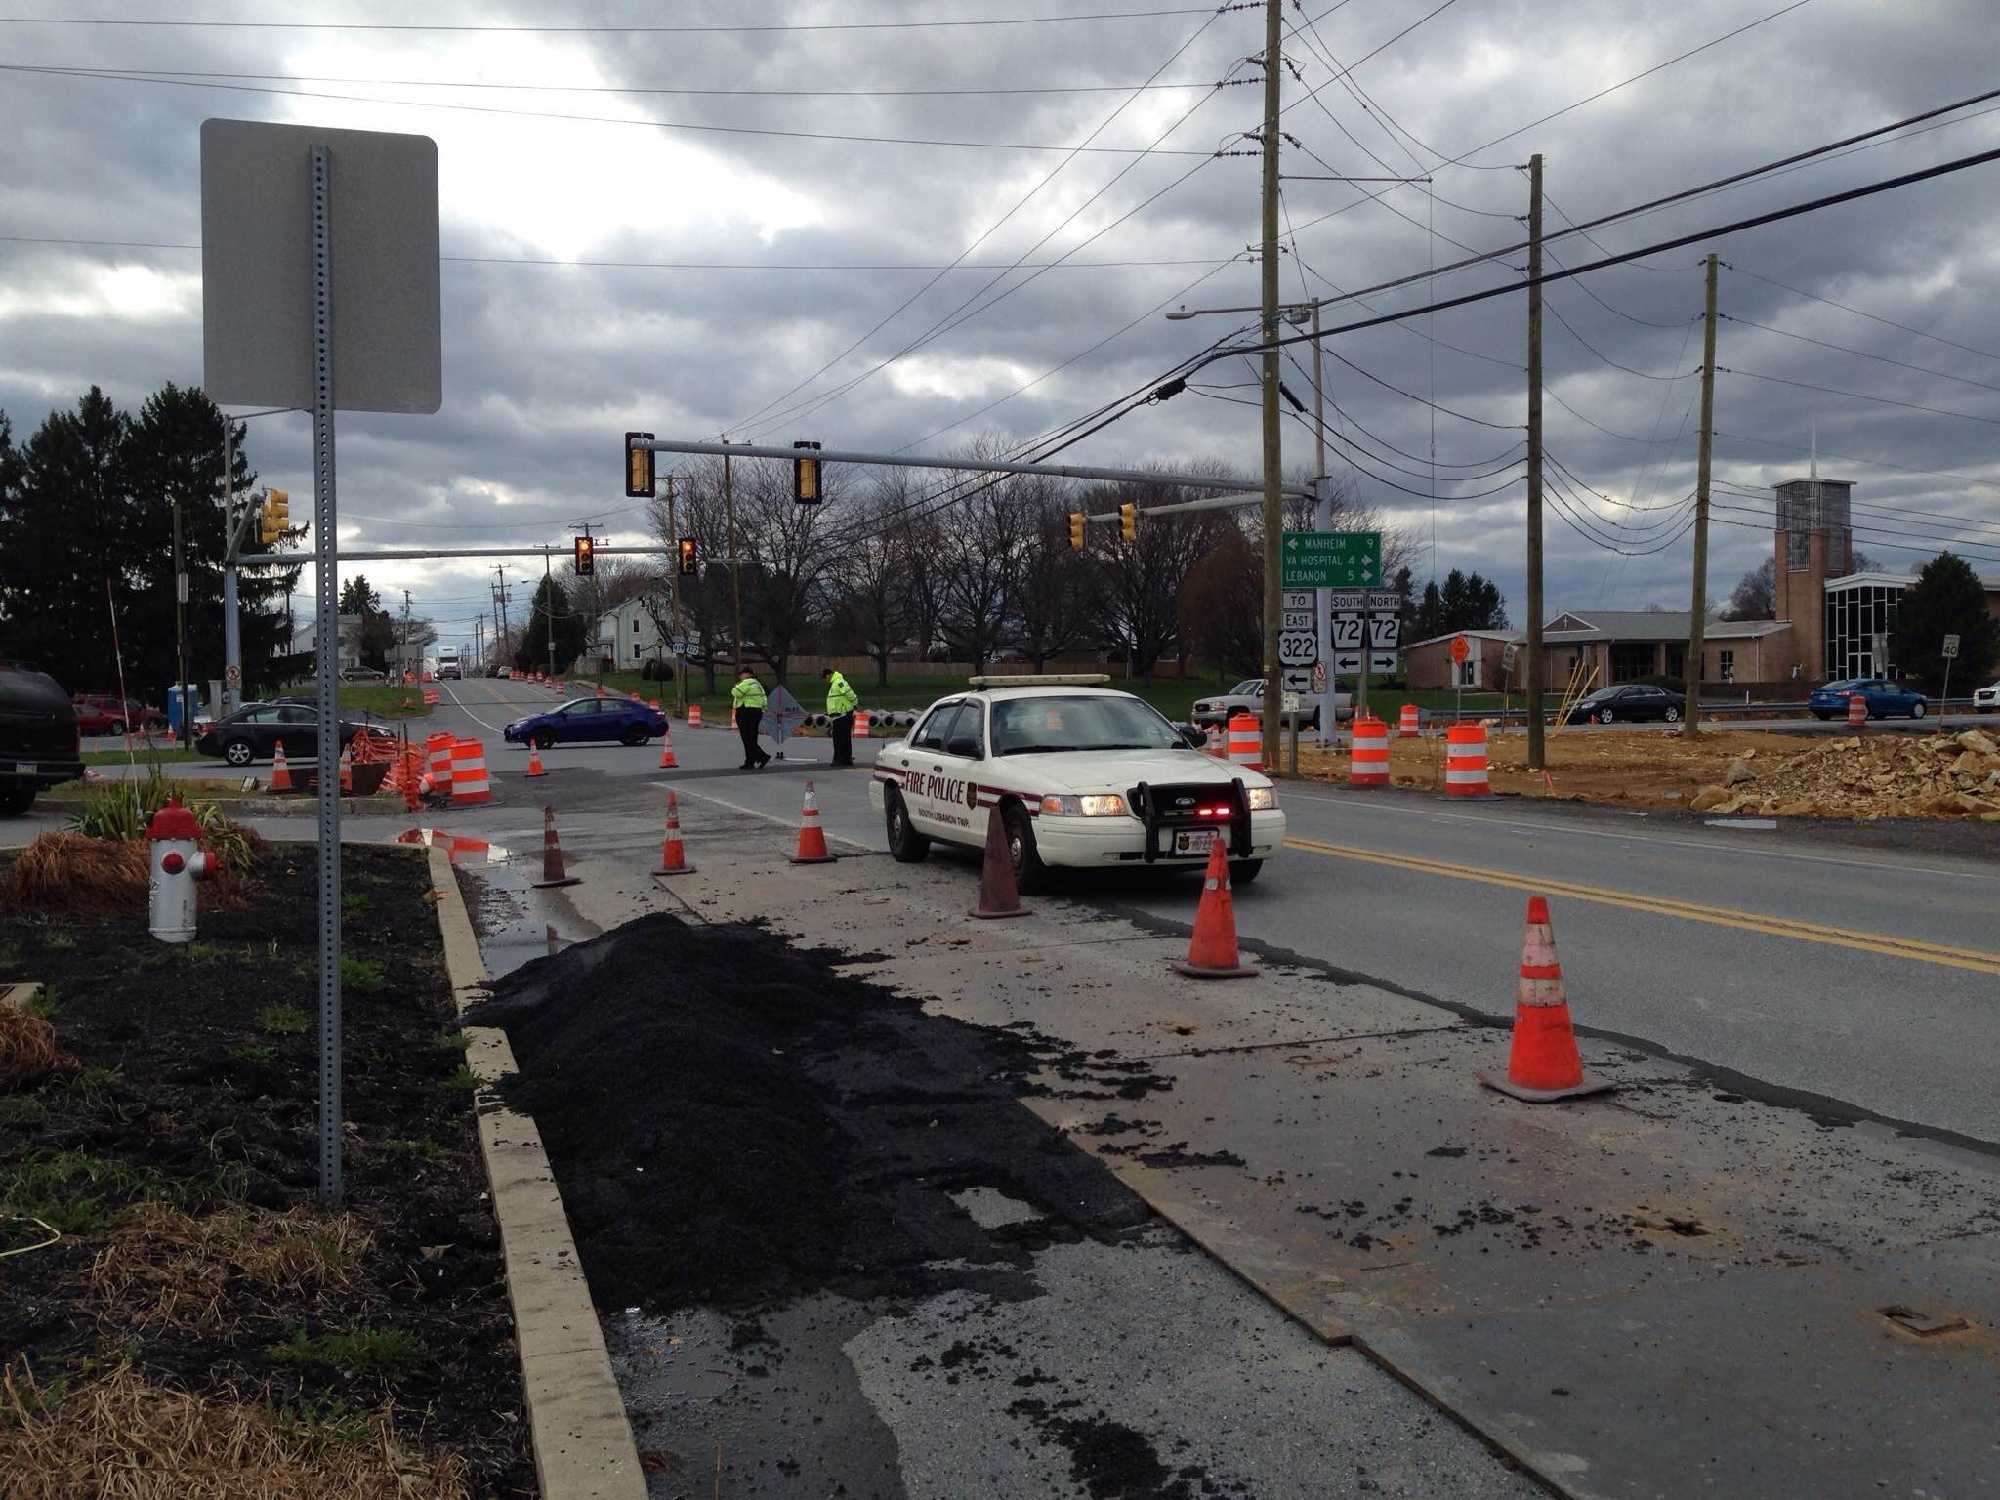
(1029, 726)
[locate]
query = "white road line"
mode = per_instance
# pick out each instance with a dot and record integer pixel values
(460, 704)
(1719, 846)
(779, 818)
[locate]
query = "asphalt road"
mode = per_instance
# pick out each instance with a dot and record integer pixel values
(1805, 964)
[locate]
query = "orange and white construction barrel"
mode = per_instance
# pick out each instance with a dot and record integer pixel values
(1465, 761)
(1369, 764)
(1410, 724)
(468, 774)
(1246, 742)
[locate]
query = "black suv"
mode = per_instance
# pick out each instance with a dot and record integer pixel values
(38, 737)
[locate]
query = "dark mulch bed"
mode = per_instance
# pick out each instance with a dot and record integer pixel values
(195, 1091)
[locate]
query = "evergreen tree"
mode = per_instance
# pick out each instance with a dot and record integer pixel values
(556, 632)
(1946, 599)
(1430, 614)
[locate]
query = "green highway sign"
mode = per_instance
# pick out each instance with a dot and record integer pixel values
(1331, 559)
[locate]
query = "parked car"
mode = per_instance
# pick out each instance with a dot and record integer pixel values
(39, 743)
(1986, 700)
(362, 674)
(1247, 697)
(584, 719)
(107, 713)
(1885, 700)
(1628, 703)
(255, 730)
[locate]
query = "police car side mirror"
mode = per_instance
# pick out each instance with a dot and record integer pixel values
(1192, 735)
(965, 747)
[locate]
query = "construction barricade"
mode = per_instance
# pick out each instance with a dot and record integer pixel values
(1465, 761)
(1369, 763)
(1246, 742)
(468, 774)
(1410, 724)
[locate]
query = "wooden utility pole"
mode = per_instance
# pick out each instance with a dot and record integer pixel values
(1698, 605)
(735, 567)
(1274, 515)
(1536, 750)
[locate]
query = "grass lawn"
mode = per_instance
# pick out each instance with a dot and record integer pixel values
(190, 789)
(384, 700)
(158, 755)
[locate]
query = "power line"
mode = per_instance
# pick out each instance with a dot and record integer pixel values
(995, 226)
(1556, 313)
(1873, 463)
(1877, 537)
(1361, 96)
(1827, 390)
(1860, 353)
(1872, 317)
(1112, 15)
(1888, 512)
(564, 116)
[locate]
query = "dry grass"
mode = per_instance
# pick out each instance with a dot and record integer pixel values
(163, 1266)
(28, 1050)
(76, 875)
(123, 1438)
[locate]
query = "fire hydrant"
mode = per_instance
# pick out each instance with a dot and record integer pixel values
(177, 862)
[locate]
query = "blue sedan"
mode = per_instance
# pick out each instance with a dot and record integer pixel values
(1884, 699)
(582, 719)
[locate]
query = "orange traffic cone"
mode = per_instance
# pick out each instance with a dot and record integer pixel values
(1543, 1064)
(673, 858)
(553, 873)
(535, 767)
(346, 774)
(999, 892)
(812, 838)
(281, 774)
(668, 760)
(1212, 950)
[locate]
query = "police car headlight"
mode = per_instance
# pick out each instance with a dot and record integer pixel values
(1263, 799)
(1083, 807)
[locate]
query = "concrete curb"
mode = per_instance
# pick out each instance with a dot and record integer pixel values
(584, 1449)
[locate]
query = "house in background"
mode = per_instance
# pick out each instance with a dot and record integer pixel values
(627, 636)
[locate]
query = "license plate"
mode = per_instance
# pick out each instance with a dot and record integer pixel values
(1194, 840)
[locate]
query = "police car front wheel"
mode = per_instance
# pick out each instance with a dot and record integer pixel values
(906, 845)
(1030, 874)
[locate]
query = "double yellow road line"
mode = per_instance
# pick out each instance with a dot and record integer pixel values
(1977, 960)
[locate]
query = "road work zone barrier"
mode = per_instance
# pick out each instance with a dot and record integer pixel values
(468, 774)
(1246, 742)
(1542, 1064)
(694, 716)
(430, 698)
(438, 748)
(1857, 710)
(1465, 761)
(1368, 762)
(1212, 951)
(861, 723)
(1411, 722)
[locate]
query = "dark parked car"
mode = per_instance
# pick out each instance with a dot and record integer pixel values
(39, 744)
(1628, 703)
(589, 719)
(107, 713)
(1884, 699)
(254, 731)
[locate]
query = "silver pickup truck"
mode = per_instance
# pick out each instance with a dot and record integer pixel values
(1248, 697)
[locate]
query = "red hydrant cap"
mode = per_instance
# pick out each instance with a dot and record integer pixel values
(174, 822)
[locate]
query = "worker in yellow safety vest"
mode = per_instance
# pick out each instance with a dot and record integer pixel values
(748, 700)
(840, 705)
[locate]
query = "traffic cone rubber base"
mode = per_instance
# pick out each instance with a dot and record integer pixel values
(1503, 1084)
(999, 892)
(1212, 950)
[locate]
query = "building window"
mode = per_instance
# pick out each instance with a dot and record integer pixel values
(1727, 662)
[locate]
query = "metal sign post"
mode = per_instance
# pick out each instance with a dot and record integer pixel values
(1950, 655)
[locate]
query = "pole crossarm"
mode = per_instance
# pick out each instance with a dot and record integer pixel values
(968, 465)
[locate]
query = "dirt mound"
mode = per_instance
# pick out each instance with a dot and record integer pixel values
(733, 1120)
(1873, 776)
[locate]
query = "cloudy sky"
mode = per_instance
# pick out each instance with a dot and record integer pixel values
(725, 221)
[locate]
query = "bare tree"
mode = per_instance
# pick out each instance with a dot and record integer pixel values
(789, 566)
(873, 582)
(980, 543)
(705, 606)
(1221, 605)
(1143, 578)
(1056, 601)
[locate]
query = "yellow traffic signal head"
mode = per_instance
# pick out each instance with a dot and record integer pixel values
(690, 557)
(806, 476)
(586, 556)
(275, 517)
(1076, 531)
(1128, 521)
(638, 468)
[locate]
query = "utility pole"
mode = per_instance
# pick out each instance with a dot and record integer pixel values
(1323, 521)
(735, 567)
(403, 651)
(1274, 515)
(500, 603)
(1698, 606)
(180, 628)
(674, 599)
(1536, 749)
(232, 639)
(549, 610)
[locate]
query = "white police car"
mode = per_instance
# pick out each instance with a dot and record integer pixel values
(1083, 776)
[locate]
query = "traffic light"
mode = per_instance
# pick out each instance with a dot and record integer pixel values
(638, 468)
(805, 476)
(586, 555)
(1076, 531)
(276, 518)
(690, 557)
(1128, 521)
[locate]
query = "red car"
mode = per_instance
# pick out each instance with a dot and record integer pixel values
(107, 713)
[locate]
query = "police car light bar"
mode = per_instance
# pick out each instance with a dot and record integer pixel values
(1052, 679)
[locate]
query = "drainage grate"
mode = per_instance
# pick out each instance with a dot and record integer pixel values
(1924, 1325)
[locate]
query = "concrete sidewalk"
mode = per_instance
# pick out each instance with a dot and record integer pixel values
(1674, 1288)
